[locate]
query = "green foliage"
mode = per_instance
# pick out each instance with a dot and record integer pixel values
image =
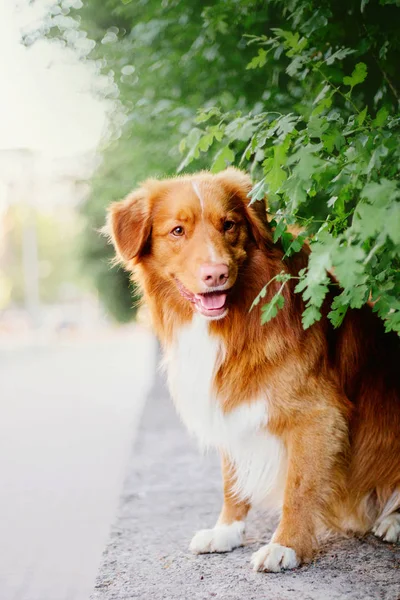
(331, 162)
(304, 94)
(163, 60)
(270, 309)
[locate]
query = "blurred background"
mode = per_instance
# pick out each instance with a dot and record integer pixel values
(72, 378)
(95, 96)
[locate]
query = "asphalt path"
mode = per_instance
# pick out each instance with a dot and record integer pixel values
(69, 412)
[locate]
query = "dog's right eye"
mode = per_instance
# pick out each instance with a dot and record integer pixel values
(178, 231)
(229, 225)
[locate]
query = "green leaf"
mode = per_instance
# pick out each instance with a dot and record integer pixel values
(270, 310)
(223, 158)
(314, 284)
(363, 5)
(316, 22)
(296, 245)
(338, 55)
(381, 117)
(361, 116)
(192, 141)
(284, 277)
(349, 267)
(205, 142)
(392, 321)
(367, 220)
(279, 229)
(380, 192)
(182, 146)
(286, 240)
(206, 114)
(392, 220)
(376, 160)
(308, 162)
(293, 42)
(322, 93)
(296, 191)
(284, 125)
(315, 292)
(383, 50)
(275, 175)
(258, 61)
(317, 125)
(258, 191)
(338, 312)
(333, 138)
(358, 75)
(357, 295)
(296, 64)
(240, 129)
(310, 316)
(259, 296)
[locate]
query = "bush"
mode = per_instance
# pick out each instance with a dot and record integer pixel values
(328, 158)
(302, 93)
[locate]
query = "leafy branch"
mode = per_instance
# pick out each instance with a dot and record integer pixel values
(331, 166)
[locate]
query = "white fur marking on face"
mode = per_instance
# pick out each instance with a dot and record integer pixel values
(213, 254)
(222, 538)
(211, 249)
(274, 557)
(258, 456)
(196, 190)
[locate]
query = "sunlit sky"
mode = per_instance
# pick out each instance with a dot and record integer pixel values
(45, 99)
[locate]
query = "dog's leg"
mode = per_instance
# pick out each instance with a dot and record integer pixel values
(387, 525)
(388, 528)
(313, 448)
(228, 532)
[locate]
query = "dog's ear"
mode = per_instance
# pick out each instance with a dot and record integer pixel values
(238, 184)
(129, 225)
(237, 181)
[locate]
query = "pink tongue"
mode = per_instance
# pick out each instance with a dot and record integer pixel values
(212, 301)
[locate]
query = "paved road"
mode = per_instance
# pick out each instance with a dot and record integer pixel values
(68, 417)
(171, 491)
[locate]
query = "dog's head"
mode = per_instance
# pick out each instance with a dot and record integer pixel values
(194, 231)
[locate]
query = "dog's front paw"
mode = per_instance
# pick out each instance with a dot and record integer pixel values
(274, 557)
(389, 528)
(222, 538)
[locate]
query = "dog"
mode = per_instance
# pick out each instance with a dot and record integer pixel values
(307, 421)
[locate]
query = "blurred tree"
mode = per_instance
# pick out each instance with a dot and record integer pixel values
(270, 78)
(168, 59)
(59, 263)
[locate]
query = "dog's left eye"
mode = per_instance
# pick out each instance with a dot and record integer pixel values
(229, 225)
(178, 231)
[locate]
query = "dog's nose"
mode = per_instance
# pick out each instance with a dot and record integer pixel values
(214, 275)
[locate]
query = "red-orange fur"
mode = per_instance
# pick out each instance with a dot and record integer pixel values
(336, 393)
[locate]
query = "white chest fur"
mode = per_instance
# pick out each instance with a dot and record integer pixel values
(258, 456)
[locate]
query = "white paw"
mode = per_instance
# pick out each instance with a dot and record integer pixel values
(389, 528)
(274, 557)
(222, 538)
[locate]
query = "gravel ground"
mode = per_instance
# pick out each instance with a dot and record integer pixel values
(171, 491)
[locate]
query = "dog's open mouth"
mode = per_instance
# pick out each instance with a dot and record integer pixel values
(209, 304)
